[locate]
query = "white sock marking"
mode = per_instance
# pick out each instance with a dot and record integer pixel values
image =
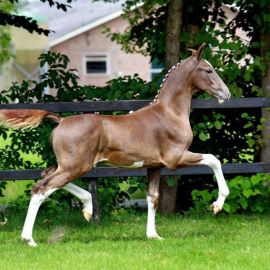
(151, 230)
(151, 226)
(215, 164)
(137, 164)
(36, 201)
(83, 195)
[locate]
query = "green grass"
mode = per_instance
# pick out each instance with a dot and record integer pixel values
(203, 242)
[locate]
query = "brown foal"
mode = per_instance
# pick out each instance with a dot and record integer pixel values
(154, 136)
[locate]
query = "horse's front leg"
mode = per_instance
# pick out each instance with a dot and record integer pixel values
(152, 202)
(190, 159)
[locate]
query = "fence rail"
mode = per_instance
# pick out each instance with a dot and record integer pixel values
(127, 105)
(229, 168)
(105, 106)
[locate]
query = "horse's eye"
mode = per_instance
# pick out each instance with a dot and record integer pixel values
(209, 71)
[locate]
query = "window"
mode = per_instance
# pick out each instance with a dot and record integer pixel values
(156, 68)
(96, 64)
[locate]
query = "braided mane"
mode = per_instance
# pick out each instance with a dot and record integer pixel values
(163, 81)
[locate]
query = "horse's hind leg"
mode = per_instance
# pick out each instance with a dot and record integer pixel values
(48, 171)
(85, 198)
(36, 201)
(43, 189)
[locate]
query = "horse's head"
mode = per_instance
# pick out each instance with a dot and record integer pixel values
(204, 77)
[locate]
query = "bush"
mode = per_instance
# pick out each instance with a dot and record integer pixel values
(247, 194)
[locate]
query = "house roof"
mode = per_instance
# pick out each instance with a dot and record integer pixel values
(83, 16)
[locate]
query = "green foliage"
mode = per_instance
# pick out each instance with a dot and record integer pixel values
(152, 41)
(232, 139)
(8, 18)
(247, 194)
(204, 21)
(136, 184)
(201, 128)
(5, 38)
(146, 32)
(2, 187)
(109, 194)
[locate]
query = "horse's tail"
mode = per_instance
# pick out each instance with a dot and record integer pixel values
(25, 118)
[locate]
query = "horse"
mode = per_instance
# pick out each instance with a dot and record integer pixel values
(152, 137)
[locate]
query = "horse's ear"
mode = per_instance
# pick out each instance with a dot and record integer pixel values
(194, 53)
(200, 51)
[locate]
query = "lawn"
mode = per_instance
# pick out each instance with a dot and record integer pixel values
(191, 242)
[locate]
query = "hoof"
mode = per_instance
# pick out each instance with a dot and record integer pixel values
(87, 215)
(215, 209)
(4, 222)
(156, 237)
(29, 241)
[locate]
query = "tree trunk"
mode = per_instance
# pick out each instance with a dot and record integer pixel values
(168, 195)
(173, 32)
(265, 41)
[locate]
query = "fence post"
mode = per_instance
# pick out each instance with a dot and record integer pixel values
(93, 188)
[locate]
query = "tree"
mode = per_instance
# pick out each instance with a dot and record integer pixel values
(265, 45)
(168, 194)
(254, 18)
(5, 39)
(29, 24)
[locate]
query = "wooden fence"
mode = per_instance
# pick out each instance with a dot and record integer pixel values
(108, 106)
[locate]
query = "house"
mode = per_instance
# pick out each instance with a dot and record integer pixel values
(78, 33)
(94, 55)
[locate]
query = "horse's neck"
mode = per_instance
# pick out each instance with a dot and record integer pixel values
(175, 92)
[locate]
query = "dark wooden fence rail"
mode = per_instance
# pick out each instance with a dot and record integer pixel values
(127, 105)
(230, 168)
(105, 106)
